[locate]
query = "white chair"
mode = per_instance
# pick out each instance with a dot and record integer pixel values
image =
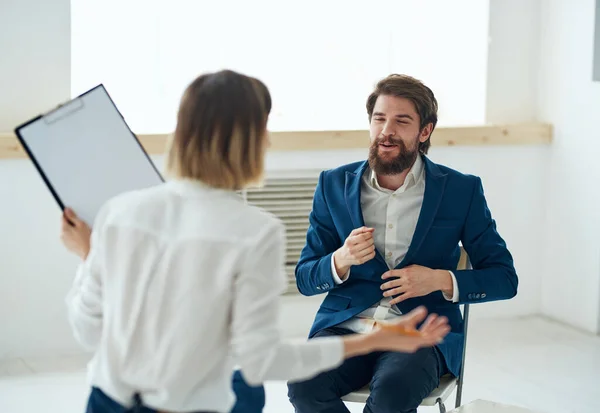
(447, 383)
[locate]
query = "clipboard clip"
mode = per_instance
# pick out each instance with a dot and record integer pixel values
(62, 111)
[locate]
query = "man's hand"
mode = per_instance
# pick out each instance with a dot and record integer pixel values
(416, 281)
(358, 248)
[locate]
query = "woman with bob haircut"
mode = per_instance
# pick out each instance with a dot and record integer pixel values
(180, 283)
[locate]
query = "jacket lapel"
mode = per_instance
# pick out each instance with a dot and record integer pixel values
(352, 195)
(435, 183)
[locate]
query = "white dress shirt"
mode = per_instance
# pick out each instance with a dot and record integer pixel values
(183, 283)
(394, 216)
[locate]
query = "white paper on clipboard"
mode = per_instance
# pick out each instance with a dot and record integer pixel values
(86, 153)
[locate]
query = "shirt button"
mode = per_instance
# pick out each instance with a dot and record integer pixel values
(390, 226)
(389, 254)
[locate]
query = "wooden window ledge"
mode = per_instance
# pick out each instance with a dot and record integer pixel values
(486, 135)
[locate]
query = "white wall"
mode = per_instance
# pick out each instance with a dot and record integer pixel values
(36, 69)
(513, 61)
(33, 286)
(34, 270)
(571, 101)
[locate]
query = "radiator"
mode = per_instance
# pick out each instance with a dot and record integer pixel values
(288, 195)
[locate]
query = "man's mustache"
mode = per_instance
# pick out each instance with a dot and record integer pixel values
(392, 141)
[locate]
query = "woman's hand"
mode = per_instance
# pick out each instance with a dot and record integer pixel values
(402, 335)
(75, 234)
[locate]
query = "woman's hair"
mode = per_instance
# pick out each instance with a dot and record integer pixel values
(221, 133)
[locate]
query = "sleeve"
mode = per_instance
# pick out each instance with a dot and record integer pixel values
(256, 341)
(493, 276)
(313, 271)
(84, 300)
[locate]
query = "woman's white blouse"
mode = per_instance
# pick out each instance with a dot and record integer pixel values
(183, 283)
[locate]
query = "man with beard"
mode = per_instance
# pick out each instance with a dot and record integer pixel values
(383, 239)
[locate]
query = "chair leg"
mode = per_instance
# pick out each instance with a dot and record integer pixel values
(442, 407)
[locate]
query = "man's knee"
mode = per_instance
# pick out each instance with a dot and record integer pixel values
(316, 390)
(395, 396)
(401, 381)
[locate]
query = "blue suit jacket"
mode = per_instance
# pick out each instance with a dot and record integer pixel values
(454, 209)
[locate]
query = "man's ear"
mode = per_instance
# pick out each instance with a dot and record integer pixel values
(426, 132)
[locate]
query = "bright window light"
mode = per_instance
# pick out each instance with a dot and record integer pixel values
(320, 59)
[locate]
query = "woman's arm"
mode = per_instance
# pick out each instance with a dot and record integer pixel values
(84, 300)
(255, 337)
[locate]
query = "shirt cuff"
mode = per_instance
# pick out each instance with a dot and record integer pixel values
(336, 277)
(454, 297)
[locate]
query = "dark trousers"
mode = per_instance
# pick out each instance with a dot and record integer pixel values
(249, 400)
(399, 381)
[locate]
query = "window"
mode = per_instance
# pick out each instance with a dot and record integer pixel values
(320, 59)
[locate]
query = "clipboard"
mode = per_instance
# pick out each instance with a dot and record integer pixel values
(86, 153)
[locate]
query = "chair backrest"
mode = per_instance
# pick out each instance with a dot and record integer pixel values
(464, 263)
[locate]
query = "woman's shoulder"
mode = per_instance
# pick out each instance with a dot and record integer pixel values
(258, 219)
(130, 202)
(136, 196)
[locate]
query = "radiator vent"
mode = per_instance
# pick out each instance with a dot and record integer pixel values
(289, 196)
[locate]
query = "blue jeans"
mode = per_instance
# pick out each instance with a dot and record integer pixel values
(249, 400)
(399, 381)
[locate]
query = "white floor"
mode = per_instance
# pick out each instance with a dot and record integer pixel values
(528, 362)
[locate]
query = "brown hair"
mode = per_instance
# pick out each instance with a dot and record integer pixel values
(220, 137)
(408, 87)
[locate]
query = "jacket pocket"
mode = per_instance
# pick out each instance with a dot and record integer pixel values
(335, 302)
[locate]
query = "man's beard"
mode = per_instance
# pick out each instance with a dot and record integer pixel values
(404, 160)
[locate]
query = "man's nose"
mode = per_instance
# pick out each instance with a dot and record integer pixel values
(387, 131)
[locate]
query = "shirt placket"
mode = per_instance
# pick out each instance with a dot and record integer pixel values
(383, 309)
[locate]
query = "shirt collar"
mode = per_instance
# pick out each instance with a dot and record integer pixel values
(193, 187)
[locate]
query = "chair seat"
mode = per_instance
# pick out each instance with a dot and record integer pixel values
(358, 396)
(443, 391)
